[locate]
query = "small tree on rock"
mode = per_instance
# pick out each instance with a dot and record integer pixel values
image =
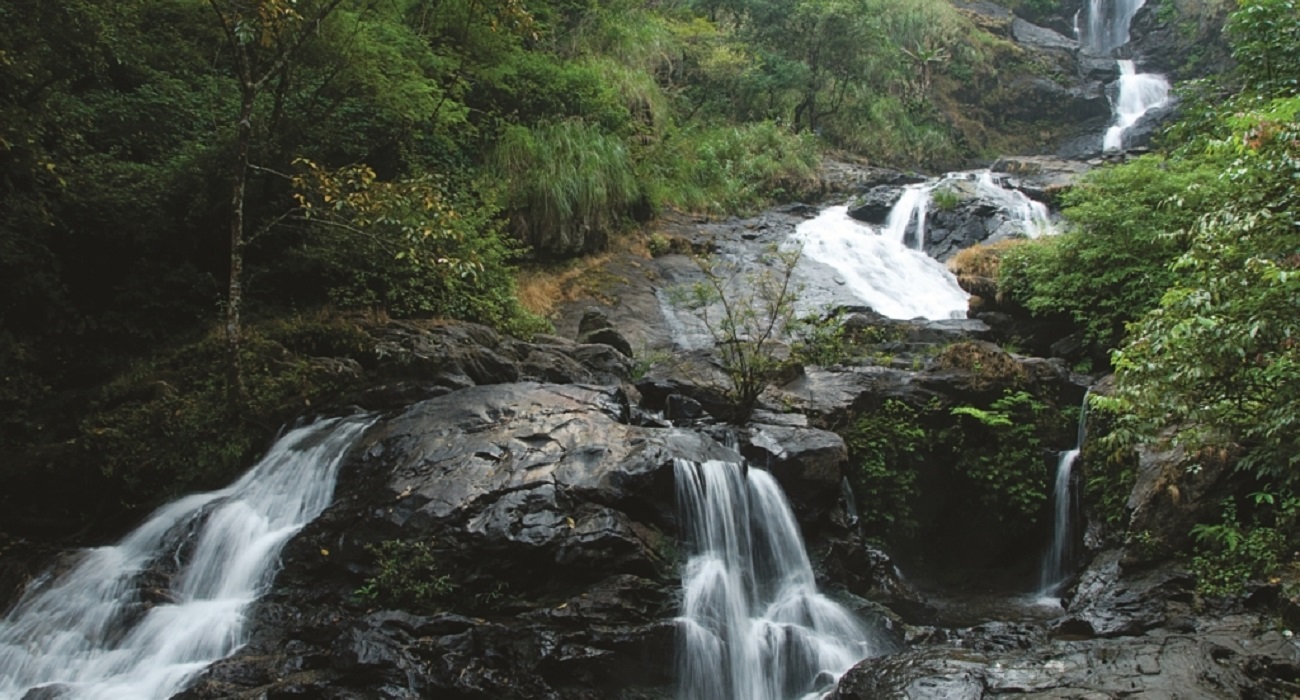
(748, 315)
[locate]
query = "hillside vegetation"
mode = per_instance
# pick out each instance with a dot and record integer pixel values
(1184, 266)
(178, 174)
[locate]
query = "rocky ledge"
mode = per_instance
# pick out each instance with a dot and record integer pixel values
(544, 513)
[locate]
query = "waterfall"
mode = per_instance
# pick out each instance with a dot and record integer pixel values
(1138, 93)
(910, 207)
(1032, 215)
(753, 626)
(890, 272)
(1108, 23)
(895, 280)
(1055, 568)
(115, 626)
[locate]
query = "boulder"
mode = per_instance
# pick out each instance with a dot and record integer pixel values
(1041, 177)
(548, 513)
(808, 463)
(874, 205)
(1037, 37)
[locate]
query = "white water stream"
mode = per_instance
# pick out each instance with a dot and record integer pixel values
(753, 626)
(1108, 24)
(895, 280)
(89, 634)
(888, 270)
(1138, 93)
(1059, 557)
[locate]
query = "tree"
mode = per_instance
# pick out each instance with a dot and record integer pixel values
(1217, 365)
(747, 315)
(264, 36)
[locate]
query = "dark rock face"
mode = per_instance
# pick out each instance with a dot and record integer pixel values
(1041, 37)
(1126, 634)
(553, 517)
(1190, 46)
(973, 219)
(1221, 660)
(595, 327)
(417, 361)
(874, 205)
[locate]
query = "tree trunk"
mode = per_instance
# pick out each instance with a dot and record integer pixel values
(235, 295)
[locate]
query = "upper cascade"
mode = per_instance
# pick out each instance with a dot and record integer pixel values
(90, 634)
(895, 279)
(1108, 24)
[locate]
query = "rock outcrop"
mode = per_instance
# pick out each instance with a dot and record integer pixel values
(552, 519)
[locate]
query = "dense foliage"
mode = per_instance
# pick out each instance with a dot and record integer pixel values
(1114, 263)
(1189, 264)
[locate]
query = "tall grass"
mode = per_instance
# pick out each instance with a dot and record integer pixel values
(731, 169)
(570, 184)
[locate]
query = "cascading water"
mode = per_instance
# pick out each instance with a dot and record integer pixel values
(890, 272)
(910, 207)
(1056, 561)
(891, 278)
(1108, 24)
(1033, 216)
(753, 626)
(90, 634)
(1137, 94)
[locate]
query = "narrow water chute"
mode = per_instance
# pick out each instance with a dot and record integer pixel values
(1059, 557)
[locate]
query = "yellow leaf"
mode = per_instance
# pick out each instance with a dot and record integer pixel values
(570, 523)
(324, 552)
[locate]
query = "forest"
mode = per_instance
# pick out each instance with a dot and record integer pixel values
(201, 199)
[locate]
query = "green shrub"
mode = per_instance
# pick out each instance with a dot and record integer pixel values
(749, 316)
(165, 428)
(884, 448)
(820, 340)
(1001, 452)
(1229, 555)
(409, 577)
(1113, 265)
(731, 169)
(411, 247)
(945, 199)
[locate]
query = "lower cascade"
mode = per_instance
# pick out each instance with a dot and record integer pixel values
(1055, 569)
(141, 618)
(753, 626)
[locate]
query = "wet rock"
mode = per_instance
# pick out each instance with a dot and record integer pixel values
(1109, 601)
(595, 327)
(1038, 37)
(682, 409)
(840, 177)
(1168, 498)
(1224, 660)
(1042, 177)
(1103, 69)
(808, 463)
(416, 361)
(547, 511)
(1181, 49)
(874, 205)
